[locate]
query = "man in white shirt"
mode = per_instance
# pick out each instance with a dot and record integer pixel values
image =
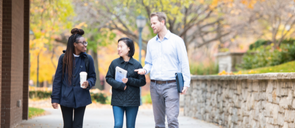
(166, 55)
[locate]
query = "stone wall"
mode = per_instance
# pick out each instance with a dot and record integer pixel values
(243, 101)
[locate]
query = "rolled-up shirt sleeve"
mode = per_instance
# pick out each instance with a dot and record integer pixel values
(184, 64)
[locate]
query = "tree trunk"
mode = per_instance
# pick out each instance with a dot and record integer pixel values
(97, 83)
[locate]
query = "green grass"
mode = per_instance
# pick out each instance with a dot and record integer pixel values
(146, 99)
(35, 112)
(286, 67)
(208, 68)
(109, 99)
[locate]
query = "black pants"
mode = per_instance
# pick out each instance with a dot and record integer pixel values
(67, 114)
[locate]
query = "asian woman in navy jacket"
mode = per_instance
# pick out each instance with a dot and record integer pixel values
(66, 90)
(125, 94)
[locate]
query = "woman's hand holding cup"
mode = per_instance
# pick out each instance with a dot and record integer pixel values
(83, 79)
(85, 84)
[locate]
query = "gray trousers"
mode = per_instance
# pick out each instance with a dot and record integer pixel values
(165, 100)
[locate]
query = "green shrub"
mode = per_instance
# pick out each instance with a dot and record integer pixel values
(267, 56)
(265, 43)
(39, 94)
(259, 43)
(203, 69)
(99, 97)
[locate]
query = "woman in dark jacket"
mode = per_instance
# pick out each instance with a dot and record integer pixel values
(66, 89)
(125, 94)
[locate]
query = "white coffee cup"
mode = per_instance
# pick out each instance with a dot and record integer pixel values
(83, 78)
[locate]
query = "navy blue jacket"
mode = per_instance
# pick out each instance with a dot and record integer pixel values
(130, 96)
(73, 95)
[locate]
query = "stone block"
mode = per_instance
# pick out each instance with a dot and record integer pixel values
(220, 91)
(255, 86)
(269, 125)
(250, 101)
(289, 115)
(250, 86)
(262, 96)
(293, 104)
(254, 124)
(284, 92)
(266, 112)
(263, 85)
(269, 120)
(285, 102)
(269, 97)
(264, 103)
(202, 111)
(256, 96)
(208, 95)
(269, 87)
(203, 86)
(281, 110)
(276, 100)
(281, 119)
(278, 90)
(234, 119)
(290, 83)
(237, 102)
(262, 120)
(275, 111)
(285, 125)
(207, 117)
(291, 125)
(246, 120)
(239, 88)
(244, 94)
(208, 109)
(199, 116)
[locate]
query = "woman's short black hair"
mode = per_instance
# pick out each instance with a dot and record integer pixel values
(129, 44)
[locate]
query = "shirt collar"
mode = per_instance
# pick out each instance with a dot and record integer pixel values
(131, 60)
(167, 36)
(76, 55)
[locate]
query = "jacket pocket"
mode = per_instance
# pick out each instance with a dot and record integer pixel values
(66, 91)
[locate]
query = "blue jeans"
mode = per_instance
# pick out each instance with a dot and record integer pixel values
(131, 113)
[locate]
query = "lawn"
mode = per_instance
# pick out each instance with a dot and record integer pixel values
(35, 112)
(286, 67)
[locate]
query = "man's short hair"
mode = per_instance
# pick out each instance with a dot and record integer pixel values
(161, 16)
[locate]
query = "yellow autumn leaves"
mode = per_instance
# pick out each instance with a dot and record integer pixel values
(248, 3)
(238, 73)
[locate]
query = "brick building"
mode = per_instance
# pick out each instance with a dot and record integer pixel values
(14, 61)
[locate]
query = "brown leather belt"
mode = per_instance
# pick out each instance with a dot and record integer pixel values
(163, 82)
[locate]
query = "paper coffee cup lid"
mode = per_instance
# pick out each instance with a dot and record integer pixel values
(83, 72)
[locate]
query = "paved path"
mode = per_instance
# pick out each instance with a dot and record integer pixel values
(103, 118)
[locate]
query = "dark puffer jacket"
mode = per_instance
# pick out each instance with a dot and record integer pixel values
(130, 96)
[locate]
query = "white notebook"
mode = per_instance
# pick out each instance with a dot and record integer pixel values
(120, 74)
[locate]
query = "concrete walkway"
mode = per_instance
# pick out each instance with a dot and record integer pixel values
(103, 118)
